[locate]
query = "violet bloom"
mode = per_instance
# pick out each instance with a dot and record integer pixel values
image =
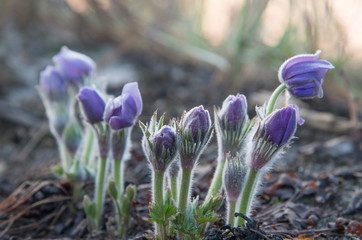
(303, 75)
(74, 66)
(52, 84)
(234, 111)
(159, 144)
(92, 103)
(197, 123)
(273, 135)
(122, 111)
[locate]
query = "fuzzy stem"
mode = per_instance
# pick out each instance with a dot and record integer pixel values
(118, 176)
(88, 149)
(248, 194)
(184, 190)
(231, 212)
(216, 181)
(99, 191)
(274, 97)
(173, 183)
(158, 199)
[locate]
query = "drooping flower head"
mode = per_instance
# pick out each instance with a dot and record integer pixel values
(122, 111)
(233, 177)
(303, 75)
(159, 143)
(74, 66)
(273, 135)
(92, 103)
(231, 121)
(195, 130)
(53, 85)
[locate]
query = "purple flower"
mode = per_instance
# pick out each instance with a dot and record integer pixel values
(233, 111)
(197, 122)
(164, 141)
(52, 84)
(122, 111)
(93, 104)
(159, 143)
(273, 135)
(280, 126)
(74, 65)
(303, 75)
(233, 177)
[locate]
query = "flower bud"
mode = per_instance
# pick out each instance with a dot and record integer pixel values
(303, 75)
(74, 66)
(233, 177)
(195, 131)
(93, 105)
(72, 136)
(159, 144)
(122, 111)
(274, 134)
(197, 122)
(53, 85)
(230, 122)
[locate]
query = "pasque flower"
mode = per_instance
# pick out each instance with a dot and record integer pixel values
(159, 143)
(230, 121)
(196, 123)
(92, 103)
(195, 132)
(74, 66)
(122, 111)
(273, 134)
(52, 84)
(303, 75)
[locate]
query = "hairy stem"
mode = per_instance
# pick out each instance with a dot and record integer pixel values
(99, 191)
(274, 97)
(184, 190)
(158, 199)
(248, 194)
(231, 212)
(217, 180)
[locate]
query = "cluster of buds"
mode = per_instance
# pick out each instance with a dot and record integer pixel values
(246, 148)
(56, 89)
(67, 91)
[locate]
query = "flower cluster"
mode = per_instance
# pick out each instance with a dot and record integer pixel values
(246, 148)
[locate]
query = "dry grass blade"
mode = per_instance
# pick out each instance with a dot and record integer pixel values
(11, 221)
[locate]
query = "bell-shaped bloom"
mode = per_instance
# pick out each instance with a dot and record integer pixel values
(53, 85)
(92, 103)
(303, 75)
(74, 66)
(234, 111)
(122, 111)
(159, 144)
(197, 122)
(233, 177)
(280, 126)
(273, 135)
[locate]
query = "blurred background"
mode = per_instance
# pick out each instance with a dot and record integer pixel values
(183, 53)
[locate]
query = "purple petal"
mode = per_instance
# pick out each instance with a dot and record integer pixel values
(297, 59)
(124, 121)
(305, 67)
(93, 104)
(133, 90)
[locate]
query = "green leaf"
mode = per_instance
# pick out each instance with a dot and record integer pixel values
(112, 190)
